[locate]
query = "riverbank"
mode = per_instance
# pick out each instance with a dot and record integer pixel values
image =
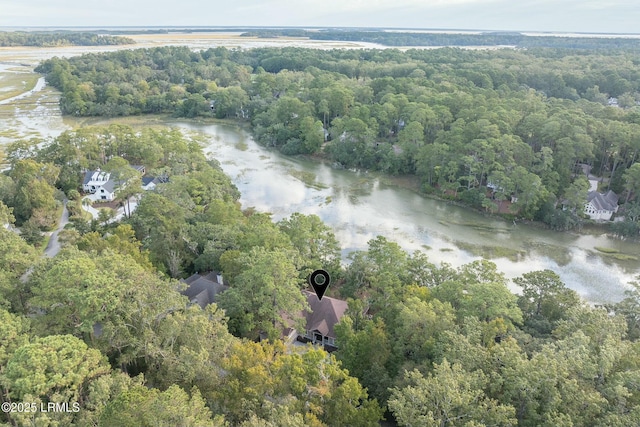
(360, 205)
(407, 182)
(414, 184)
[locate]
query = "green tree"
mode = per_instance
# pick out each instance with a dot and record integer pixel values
(14, 332)
(259, 231)
(576, 194)
(314, 241)
(261, 377)
(195, 105)
(30, 232)
(480, 291)
(449, 396)
(149, 407)
(418, 327)
(229, 101)
(127, 178)
(266, 296)
(632, 180)
(159, 222)
(121, 240)
(312, 135)
(6, 215)
(365, 351)
(20, 150)
(109, 300)
(34, 192)
(545, 300)
(423, 273)
(213, 241)
(16, 257)
(54, 369)
(629, 307)
(381, 269)
(186, 348)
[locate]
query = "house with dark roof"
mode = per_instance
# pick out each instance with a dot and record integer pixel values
(321, 320)
(202, 290)
(140, 168)
(149, 182)
(601, 207)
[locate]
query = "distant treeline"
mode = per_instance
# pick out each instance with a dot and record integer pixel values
(437, 39)
(44, 39)
(126, 31)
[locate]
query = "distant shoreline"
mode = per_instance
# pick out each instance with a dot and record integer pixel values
(126, 29)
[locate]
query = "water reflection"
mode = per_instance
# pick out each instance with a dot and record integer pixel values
(360, 206)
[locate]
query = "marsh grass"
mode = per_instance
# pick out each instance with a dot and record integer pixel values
(561, 255)
(624, 257)
(308, 178)
(492, 252)
(614, 254)
(14, 84)
(9, 133)
(606, 250)
(478, 226)
(242, 146)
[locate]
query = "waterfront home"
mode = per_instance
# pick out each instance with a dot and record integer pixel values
(600, 207)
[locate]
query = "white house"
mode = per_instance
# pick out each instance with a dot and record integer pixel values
(107, 191)
(601, 207)
(100, 183)
(93, 180)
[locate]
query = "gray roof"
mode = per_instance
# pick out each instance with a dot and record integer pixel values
(87, 177)
(203, 289)
(603, 202)
(148, 179)
(324, 314)
(109, 185)
(97, 175)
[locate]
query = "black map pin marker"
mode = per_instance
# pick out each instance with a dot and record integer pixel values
(319, 281)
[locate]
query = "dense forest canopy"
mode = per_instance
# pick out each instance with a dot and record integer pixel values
(59, 38)
(501, 130)
(102, 325)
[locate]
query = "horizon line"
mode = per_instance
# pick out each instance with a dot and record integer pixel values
(302, 27)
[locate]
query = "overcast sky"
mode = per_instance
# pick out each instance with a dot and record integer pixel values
(607, 16)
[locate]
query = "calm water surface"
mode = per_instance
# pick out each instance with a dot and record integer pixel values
(360, 205)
